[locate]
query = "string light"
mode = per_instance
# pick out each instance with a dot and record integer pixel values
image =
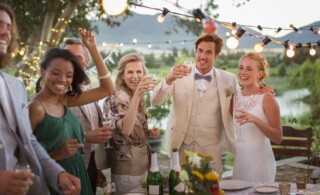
(114, 8)
(134, 41)
(259, 47)
(289, 49)
(293, 27)
(312, 51)
(197, 13)
(233, 41)
(162, 15)
(290, 52)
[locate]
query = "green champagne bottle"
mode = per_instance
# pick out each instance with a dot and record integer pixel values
(174, 173)
(154, 180)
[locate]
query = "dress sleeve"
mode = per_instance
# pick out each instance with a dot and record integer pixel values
(118, 105)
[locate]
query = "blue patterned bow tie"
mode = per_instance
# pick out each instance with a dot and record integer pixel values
(199, 76)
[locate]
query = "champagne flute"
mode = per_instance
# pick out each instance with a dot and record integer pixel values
(107, 121)
(151, 88)
(238, 128)
(109, 187)
(23, 168)
(189, 65)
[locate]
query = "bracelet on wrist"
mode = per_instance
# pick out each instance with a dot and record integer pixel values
(104, 76)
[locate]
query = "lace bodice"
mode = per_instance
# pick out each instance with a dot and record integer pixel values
(254, 157)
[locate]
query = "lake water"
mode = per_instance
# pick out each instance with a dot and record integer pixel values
(290, 105)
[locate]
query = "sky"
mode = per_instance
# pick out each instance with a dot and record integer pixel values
(266, 13)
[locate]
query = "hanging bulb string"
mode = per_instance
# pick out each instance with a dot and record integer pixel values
(293, 28)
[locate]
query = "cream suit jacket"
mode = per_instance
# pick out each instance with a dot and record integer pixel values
(181, 92)
(38, 157)
(100, 153)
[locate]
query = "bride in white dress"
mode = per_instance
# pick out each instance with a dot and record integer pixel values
(256, 121)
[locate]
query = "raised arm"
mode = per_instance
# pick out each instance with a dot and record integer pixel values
(105, 87)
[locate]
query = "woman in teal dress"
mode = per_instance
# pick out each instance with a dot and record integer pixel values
(55, 127)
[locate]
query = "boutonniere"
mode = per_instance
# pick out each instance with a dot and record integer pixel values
(230, 91)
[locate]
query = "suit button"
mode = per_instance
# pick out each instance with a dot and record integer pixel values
(1, 146)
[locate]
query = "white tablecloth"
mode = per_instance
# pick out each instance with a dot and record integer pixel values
(312, 189)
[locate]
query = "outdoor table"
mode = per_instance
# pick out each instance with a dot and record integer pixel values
(312, 189)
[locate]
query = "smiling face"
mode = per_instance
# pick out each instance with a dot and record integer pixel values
(132, 75)
(249, 73)
(58, 76)
(205, 56)
(5, 32)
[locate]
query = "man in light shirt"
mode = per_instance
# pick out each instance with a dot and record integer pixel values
(18, 145)
(200, 118)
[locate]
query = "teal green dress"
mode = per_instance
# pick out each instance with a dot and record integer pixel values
(52, 132)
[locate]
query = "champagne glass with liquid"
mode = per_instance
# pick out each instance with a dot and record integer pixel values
(109, 186)
(151, 88)
(189, 65)
(238, 128)
(23, 168)
(107, 121)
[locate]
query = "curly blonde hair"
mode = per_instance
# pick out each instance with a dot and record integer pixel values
(263, 64)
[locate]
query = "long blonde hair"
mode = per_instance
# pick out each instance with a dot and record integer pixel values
(263, 64)
(120, 83)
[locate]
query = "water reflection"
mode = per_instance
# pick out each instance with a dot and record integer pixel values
(290, 105)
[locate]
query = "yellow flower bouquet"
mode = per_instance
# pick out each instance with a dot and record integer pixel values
(197, 174)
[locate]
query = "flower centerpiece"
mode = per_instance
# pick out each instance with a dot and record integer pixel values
(197, 174)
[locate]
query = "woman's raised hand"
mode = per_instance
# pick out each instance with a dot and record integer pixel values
(88, 38)
(146, 84)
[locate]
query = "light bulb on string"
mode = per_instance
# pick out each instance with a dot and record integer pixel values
(259, 47)
(290, 52)
(209, 26)
(149, 46)
(161, 17)
(233, 41)
(312, 52)
(114, 8)
(134, 41)
(233, 31)
(197, 13)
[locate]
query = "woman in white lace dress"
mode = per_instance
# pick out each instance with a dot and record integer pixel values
(256, 121)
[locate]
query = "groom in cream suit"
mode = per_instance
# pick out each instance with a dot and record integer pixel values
(200, 118)
(17, 142)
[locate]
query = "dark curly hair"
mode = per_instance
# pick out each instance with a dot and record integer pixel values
(79, 76)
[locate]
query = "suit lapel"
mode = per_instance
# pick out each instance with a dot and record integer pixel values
(221, 84)
(10, 114)
(190, 84)
(84, 111)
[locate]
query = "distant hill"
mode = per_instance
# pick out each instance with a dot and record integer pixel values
(167, 35)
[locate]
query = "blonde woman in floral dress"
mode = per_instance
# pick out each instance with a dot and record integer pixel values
(131, 151)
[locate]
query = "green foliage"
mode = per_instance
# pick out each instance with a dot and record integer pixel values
(282, 70)
(310, 77)
(31, 14)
